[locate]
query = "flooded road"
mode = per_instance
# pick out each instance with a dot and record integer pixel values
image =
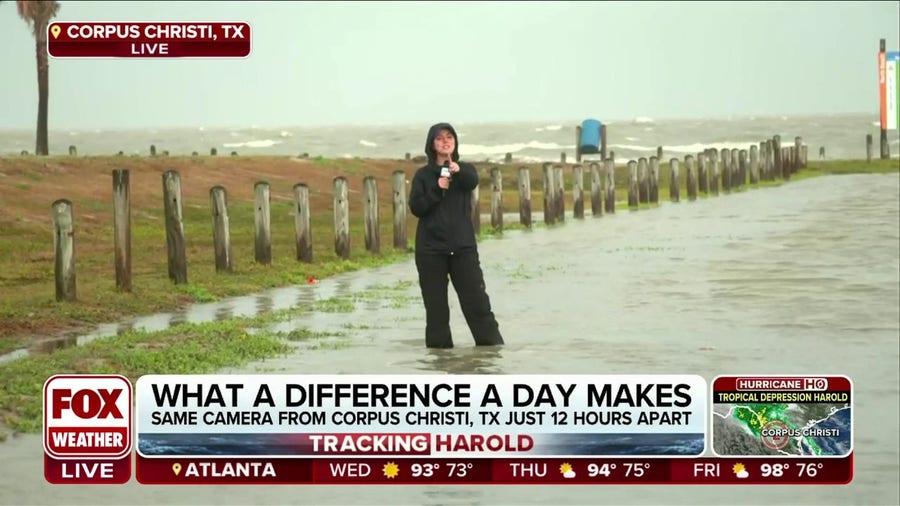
(801, 278)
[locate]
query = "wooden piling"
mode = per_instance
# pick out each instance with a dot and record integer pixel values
(736, 174)
(691, 174)
(821, 152)
(174, 215)
(559, 188)
(370, 215)
(653, 179)
(659, 153)
(578, 131)
(562, 157)
(218, 200)
(213, 152)
(152, 150)
(302, 228)
(770, 160)
(121, 183)
(726, 169)
(869, 148)
(754, 164)
(798, 146)
(702, 177)
(496, 199)
(596, 190)
(643, 181)
(761, 164)
(262, 221)
(398, 186)
(742, 167)
(633, 192)
(786, 163)
(674, 194)
(73, 151)
(578, 191)
(549, 195)
(341, 207)
(525, 197)
(609, 170)
(713, 168)
(508, 158)
(64, 250)
(777, 162)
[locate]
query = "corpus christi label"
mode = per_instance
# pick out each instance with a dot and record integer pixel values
(808, 416)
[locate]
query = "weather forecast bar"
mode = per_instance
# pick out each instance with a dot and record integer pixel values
(148, 40)
(580, 471)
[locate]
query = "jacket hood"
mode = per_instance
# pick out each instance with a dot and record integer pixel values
(429, 142)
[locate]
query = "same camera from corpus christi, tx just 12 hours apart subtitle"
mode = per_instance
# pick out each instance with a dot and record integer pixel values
(148, 40)
(359, 429)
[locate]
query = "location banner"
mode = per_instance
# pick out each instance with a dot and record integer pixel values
(415, 415)
(148, 40)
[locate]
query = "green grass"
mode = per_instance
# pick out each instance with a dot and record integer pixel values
(182, 349)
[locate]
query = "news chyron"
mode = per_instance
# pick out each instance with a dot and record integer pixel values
(449, 430)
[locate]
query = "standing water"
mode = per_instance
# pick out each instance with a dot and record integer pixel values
(802, 278)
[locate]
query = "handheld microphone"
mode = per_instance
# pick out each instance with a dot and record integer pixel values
(445, 172)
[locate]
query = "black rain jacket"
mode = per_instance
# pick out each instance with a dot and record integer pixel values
(445, 224)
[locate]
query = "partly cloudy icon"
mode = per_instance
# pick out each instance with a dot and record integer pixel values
(566, 470)
(740, 471)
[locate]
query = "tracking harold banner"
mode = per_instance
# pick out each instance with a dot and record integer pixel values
(448, 429)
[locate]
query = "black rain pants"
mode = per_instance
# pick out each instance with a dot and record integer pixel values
(463, 269)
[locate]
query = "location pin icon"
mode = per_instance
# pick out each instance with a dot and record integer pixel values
(176, 468)
(54, 30)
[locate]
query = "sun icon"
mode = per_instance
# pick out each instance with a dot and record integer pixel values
(391, 470)
(566, 470)
(737, 468)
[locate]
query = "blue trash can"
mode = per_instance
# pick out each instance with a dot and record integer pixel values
(590, 136)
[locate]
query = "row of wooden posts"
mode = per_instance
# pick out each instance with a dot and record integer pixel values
(768, 161)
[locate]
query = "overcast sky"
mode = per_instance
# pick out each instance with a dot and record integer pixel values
(316, 63)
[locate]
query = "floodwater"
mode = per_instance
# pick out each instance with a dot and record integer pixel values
(802, 278)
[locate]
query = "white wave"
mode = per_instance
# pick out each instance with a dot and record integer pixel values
(631, 139)
(480, 149)
(644, 119)
(549, 128)
(368, 144)
(876, 123)
(686, 148)
(265, 143)
(285, 133)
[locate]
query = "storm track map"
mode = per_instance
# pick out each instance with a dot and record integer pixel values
(804, 417)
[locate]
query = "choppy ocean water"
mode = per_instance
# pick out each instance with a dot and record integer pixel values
(842, 136)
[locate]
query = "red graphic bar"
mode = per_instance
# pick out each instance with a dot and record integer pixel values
(782, 383)
(87, 471)
(148, 40)
(421, 471)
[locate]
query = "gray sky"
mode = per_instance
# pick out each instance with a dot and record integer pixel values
(316, 63)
